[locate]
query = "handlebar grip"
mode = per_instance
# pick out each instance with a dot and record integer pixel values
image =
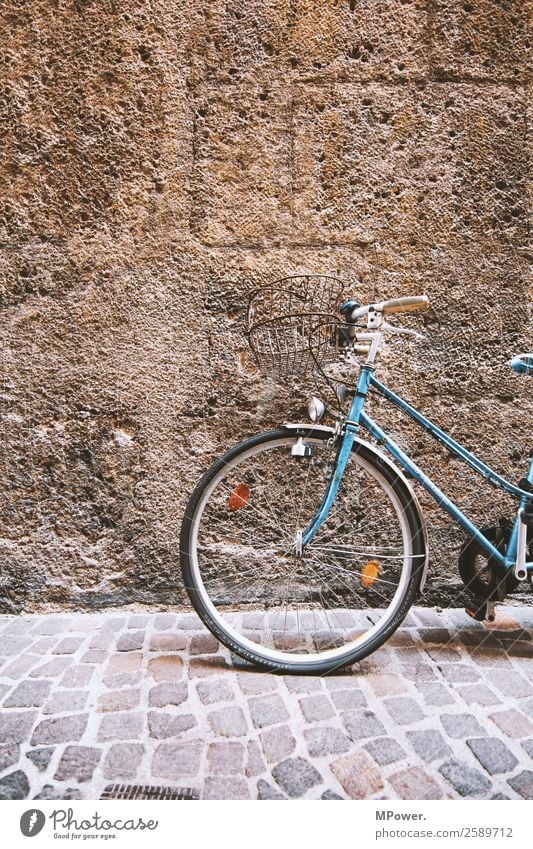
(414, 303)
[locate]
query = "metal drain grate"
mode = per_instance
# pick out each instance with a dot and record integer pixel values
(138, 791)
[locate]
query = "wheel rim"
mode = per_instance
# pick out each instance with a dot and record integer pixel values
(338, 597)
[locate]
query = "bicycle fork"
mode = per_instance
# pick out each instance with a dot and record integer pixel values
(350, 432)
(517, 548)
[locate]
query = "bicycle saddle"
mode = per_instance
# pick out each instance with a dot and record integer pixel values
(522, 364)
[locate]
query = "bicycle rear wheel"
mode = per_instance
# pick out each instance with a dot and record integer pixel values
(316, 610)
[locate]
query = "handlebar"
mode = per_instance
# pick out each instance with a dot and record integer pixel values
(410, 303)
(414, 303)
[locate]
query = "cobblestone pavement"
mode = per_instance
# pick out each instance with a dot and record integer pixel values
(445, 710)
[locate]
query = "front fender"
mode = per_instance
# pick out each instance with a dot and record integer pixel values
(383, 458)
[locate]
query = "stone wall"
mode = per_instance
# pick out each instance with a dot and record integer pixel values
(161, 159)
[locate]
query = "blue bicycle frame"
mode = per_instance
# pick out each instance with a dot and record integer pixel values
(357, 417)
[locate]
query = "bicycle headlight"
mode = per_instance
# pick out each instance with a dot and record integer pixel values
(316, 409)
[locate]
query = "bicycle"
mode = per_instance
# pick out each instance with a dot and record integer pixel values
(303, 548)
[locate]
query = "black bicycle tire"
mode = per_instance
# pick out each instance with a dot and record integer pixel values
(317, 667)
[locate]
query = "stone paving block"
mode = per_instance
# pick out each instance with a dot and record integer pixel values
(173, 760)
(226, 758)
(428, 617)
(386, 684)
(218, 787)
(167, 642)
(123, 679)
(16, 626)
(62, 729)
(403, 710)
(116, 623)
(510, 684)
(52, 668)
(66, 701)
(201, 667)
(191, 622)
(9, 755)
(253, 683)
(429, 744)
(138, 621)
(330, 795)
(28, 694)
(41, 757)
(131, 641)
(467, 781)
(435, 694)
(78, 762)
(315, 708)
(277, 743)
(296, 776)
(348, 699)
(166, 668)
(124, 662)
(324, 741)
(121, 726)
(164, 621)
(493, 754)
(101, 640)
(50, 791)
(343, 680)
(43, 645)
(162, 725)
(513, 723)
(457, 673)
(527, 707)
(166, 693)
(437, 637)
(20, 666)
(123, 760)
(362, 723)
(68, 645)
(213, 691)
(523, 783)
(420, 672)
(415, 783)
(95, 656)
(49, 625)
(203, 644)
(358, 775)
(15, 785)
(15, 727)
(461, 725)
(478, 694)
(266, 791)
(228, 722)
(15, 645)
(385, 750)
(119, 700)
(267, 710)
(527, 745)
(255, 764)
(76, 677)
(302, 683)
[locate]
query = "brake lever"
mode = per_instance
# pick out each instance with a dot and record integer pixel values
(406, 331)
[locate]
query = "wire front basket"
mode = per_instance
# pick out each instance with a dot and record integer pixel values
(294, 324)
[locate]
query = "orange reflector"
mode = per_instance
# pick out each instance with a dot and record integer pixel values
(239, 497)
(369, 573)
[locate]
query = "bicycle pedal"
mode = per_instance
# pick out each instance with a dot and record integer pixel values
(477, 611)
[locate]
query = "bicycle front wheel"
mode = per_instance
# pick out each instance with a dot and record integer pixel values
(290, 608)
